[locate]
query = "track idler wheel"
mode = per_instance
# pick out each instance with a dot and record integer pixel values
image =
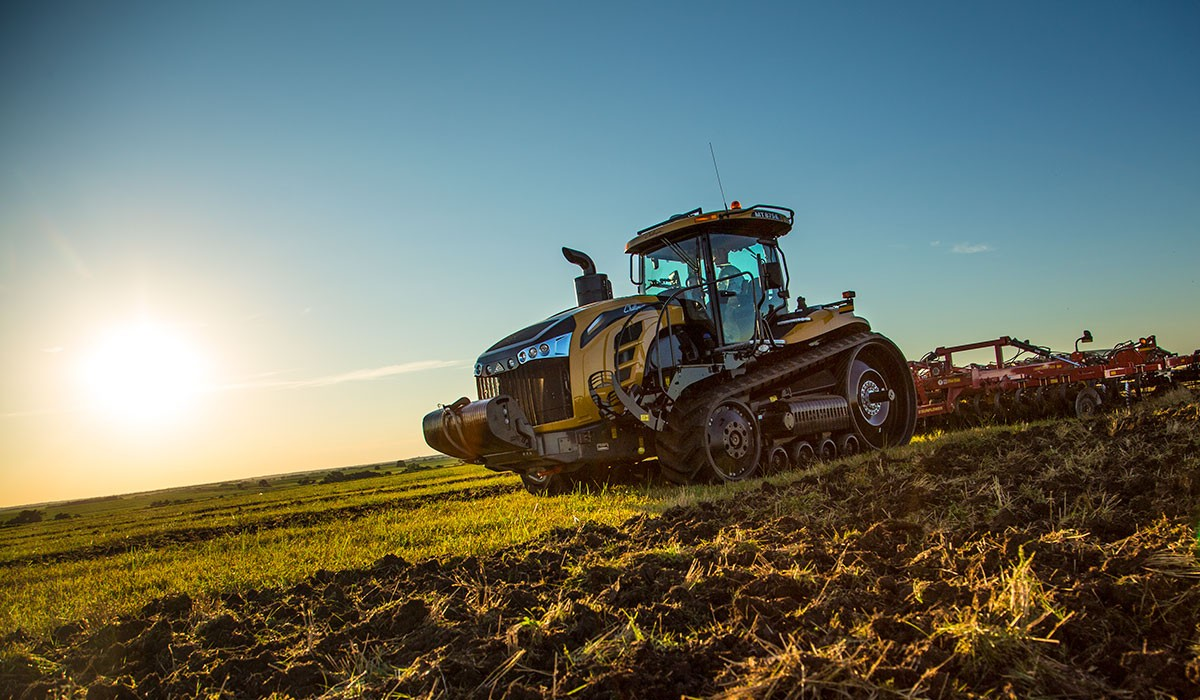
(879, 387)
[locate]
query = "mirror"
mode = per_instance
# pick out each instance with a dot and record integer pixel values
(772, 275)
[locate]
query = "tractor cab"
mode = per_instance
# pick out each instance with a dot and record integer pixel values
(726, 266)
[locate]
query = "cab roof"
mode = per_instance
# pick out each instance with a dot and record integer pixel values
(761, 221)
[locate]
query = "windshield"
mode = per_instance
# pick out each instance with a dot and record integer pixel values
(668, 270)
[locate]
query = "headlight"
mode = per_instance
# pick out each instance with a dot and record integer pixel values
(533, 353)
(544, 349)
(512, 363)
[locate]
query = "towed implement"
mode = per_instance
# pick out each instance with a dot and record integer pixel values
(1036, 382)
(705, 372)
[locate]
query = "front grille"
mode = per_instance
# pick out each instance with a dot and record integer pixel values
(543, 387)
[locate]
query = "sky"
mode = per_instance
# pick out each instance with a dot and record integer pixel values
(245, 238)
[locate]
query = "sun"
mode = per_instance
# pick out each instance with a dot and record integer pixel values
(144, 375)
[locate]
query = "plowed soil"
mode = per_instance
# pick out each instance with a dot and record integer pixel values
(1054, 560)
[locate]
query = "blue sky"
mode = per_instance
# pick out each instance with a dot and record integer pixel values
(341, 206)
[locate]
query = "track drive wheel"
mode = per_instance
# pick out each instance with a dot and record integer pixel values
(547, 484)
(883, 400)
(732, 441)
(718, 442)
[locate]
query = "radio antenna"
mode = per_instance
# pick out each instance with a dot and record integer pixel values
(718, 171)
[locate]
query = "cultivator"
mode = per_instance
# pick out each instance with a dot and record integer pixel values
(1036, 382)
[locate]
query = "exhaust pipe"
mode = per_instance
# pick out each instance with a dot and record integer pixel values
(591, 286)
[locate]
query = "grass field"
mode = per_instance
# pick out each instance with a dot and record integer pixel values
(115, 555)
(1052, 559)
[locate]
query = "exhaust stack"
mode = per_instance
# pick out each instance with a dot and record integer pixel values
(591, 286)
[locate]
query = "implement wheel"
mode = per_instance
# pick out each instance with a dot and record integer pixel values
(1087, 404)
(879, 387)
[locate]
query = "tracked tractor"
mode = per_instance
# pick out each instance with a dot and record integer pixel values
(705, 374)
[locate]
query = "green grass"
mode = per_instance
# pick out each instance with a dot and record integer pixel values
(409, 515)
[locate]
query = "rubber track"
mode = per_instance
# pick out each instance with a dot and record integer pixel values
(679, 446)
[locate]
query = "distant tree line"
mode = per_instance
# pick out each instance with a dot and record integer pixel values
(338, 476)
(27, 517)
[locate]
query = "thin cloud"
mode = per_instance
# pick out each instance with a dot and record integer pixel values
(971, 248)
(36, 413)
(359, 375)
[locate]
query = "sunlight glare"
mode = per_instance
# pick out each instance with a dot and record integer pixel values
(144, 375)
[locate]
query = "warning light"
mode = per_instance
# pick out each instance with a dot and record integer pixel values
(736, 205)
(849, 294)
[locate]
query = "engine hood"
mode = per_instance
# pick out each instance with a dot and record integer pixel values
(559, 334)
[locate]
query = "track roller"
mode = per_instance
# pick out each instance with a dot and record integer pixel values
(778, 460)
(826, 449)
(802, 453)
(848, 444)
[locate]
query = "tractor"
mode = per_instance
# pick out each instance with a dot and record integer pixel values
(705, 374)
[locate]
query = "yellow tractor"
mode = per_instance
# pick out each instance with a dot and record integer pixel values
(704, 374)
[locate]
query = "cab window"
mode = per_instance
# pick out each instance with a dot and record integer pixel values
(737, 267)
(676, 270)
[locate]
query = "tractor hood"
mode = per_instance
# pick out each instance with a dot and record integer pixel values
(554, 336)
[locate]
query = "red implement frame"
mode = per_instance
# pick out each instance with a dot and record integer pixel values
(1126, 371)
